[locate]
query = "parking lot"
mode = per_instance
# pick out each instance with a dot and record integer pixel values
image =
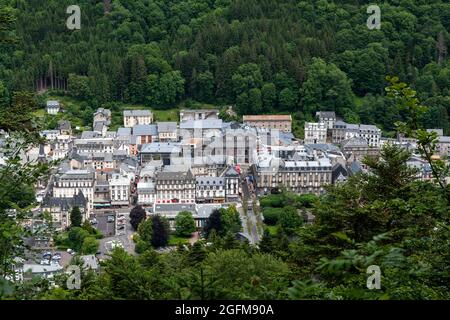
(116, 234)
(106, 223)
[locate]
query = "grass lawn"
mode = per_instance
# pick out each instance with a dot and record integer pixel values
(39, 113)
(272, 230)
(175, 240)
(166, 114)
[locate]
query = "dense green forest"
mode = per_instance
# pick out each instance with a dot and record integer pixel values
(265, 56)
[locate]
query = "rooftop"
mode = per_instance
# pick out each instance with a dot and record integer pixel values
(137, 113)
(52, 103)
(212, 181)
(268, 117)
(172, 175)
(326, 114)
(201, 124)
(167, 127)
(124, 132)
(145, 130)
(156, 147)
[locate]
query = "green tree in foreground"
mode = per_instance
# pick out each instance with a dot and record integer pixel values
(407, 101)
(89, 246)
(289, 220)
(184, 224)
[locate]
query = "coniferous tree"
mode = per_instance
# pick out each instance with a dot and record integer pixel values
(75, 217)
(160, 227)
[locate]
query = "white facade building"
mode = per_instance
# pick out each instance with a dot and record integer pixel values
(119, 187)
(315, 132)
(94, 145)
(210, 189)
(52, 107)
(146, 193)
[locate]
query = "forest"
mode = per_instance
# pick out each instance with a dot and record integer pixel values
(262, 56)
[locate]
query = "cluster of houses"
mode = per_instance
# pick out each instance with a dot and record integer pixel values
(328, 129)
(201, 161)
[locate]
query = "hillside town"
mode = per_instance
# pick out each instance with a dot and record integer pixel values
(197, 165)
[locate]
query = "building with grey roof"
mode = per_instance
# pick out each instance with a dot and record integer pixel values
(64, 127)
(137, 117)
(355, 149)
(146, 193)
(310, 176)
(201, 128)
(31, 270)
(52, 107)
(443, 146)
(102, 115)
(327, 117)
(343, 131)
(94, 145)
(145, 133)
(60, 208)
(71, 182)
(159, 151)
(210, 189)
(123, 132)
(198, 114)
(175, 187)
(101, 128)
(167, 131)
(200, 212)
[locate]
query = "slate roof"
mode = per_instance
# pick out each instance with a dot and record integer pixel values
(167, 127)
(64, 203)
(326, 114)
(145, 130)
(210, 181)
(124, 132)
(64, 125)
(137, 113)
(231, 172)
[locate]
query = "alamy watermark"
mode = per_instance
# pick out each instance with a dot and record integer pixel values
(74, 280)
(374, 280)
(374, 20)
(74, 20)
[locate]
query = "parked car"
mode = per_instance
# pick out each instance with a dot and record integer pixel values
(93, 221)
(45, 262)
(69, 251)
(120, 227)
(111, 218)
